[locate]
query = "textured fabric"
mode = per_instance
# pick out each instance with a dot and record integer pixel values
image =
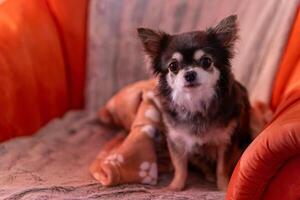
(53, 164)
(116, 57)
(42, 62)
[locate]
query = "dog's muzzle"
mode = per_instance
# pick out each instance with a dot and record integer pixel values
(190, 76)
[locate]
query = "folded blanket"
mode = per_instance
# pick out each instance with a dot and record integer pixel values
(139, 152)
(132, 158)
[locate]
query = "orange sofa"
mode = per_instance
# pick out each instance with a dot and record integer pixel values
(42, 62)
(42, 75)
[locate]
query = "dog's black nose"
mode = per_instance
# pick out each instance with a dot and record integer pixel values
(190, 76)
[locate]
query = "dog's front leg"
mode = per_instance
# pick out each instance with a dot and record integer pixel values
(222, 175)
(179, 159)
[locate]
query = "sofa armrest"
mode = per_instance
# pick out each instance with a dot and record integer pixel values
(269, 156)
(42, 62)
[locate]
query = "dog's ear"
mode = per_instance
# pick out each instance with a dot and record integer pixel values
(153, 41)
(226, 31)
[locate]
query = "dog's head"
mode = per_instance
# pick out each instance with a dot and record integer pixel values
(192, 67)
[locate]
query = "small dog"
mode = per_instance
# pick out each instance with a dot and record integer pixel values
(205, 110)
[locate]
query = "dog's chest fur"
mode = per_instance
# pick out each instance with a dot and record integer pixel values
(191, 137)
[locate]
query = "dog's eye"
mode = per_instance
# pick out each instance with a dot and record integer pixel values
(205, 62)
(174, 67)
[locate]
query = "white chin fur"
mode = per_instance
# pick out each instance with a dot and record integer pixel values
(196, 98)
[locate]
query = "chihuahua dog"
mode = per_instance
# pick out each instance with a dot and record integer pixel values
(205, 110)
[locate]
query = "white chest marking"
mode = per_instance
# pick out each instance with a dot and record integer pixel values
(214, 136)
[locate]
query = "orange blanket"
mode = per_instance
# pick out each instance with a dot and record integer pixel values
(132, 157)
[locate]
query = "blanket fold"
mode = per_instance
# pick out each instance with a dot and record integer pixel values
(131, 158)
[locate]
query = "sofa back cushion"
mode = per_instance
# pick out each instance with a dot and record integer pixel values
(115, 54)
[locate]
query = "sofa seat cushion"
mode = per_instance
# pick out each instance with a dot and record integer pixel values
(53, 164)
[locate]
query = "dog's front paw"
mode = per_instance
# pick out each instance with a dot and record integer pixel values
(222, 183)
(210, 178)
(175, 186)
